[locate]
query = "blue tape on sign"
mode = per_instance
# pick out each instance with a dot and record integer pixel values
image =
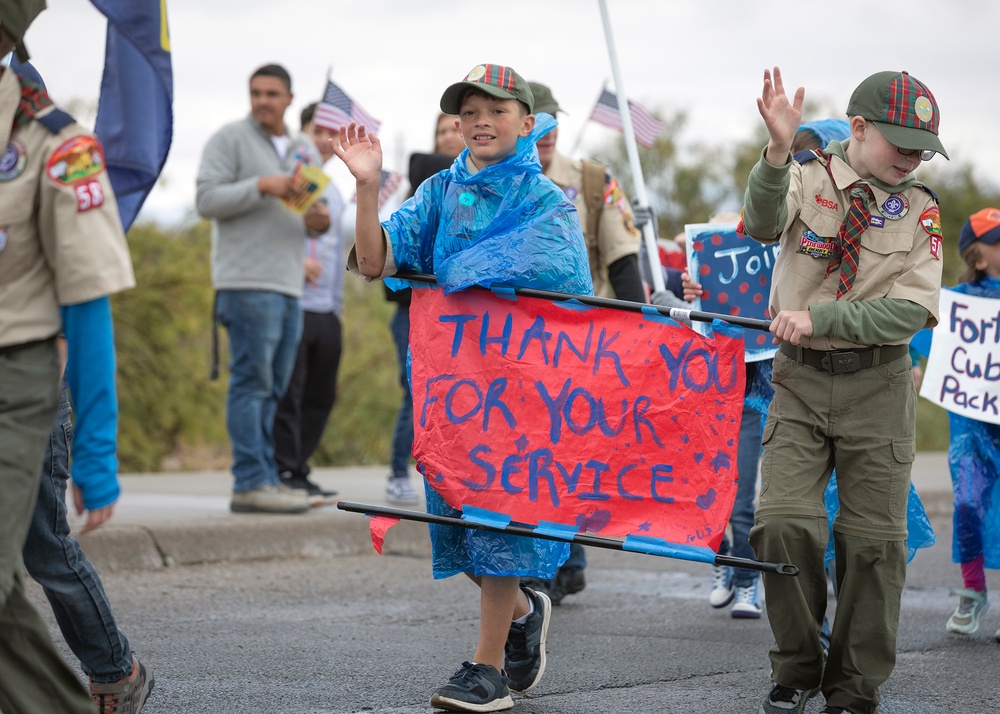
(573, 304)
(651, 313)
(504, 292)
(484, 516)
(557, 530)
(659, 546)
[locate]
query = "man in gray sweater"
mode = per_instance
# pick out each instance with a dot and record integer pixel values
(257, 243)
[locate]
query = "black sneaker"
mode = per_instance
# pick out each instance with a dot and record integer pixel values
(834, 710)
(474, 688)
(524, 652)
(569, 581)
(785, 700)
(317, 496)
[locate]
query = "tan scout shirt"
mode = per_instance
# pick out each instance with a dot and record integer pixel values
(899, 258)
(616, 236)
(61, 239)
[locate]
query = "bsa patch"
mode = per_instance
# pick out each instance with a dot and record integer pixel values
(12, 161)
(571, 193)
(629, 225)
(931, 221)
(876, 222)
(815, 247)
(78, 159)
(895, 207)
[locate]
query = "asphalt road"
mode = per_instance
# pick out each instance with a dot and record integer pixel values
(378, 634)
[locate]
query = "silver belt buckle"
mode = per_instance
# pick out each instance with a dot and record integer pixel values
(841, 362)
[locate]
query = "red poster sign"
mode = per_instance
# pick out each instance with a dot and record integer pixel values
(613, 422)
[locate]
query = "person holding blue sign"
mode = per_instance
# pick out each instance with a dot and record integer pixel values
(492, 219)
(974, 449)
(858, 274)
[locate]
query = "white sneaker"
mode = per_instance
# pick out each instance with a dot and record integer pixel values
(272, 498)
(722, 586)
(398, 489)
(965, 619)
(747, 603)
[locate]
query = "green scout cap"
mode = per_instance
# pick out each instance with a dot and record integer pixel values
(903, 108)
(15, 16)
(544, 101)
(494, 79)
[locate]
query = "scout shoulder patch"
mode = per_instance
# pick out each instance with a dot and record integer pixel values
(931, 221)
(76, 160)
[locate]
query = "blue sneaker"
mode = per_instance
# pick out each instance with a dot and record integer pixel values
(747, 601)
(524, 652)
(474, 688)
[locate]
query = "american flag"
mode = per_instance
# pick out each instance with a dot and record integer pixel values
(645, 125)
(388, 183)
(336, 108)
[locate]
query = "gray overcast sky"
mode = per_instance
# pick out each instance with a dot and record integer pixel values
(395, 57)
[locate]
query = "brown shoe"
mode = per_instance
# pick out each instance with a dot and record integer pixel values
(126, 696)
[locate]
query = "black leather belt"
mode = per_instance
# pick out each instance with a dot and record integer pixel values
(844, 361)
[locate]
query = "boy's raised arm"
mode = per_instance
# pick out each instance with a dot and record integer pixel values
(781, 117)
(361, 151)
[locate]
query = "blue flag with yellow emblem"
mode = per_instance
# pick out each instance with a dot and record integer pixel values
(135, 110)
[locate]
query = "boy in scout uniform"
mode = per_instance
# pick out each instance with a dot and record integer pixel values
(62, 252)
(858, 274)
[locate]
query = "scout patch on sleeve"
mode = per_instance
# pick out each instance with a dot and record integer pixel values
(931, 221)
(76, 164)
(613, 196)
(75, 161)
(815, 247)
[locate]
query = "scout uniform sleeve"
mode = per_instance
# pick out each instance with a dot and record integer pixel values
(617, 235)
(920, 279)
(221, 193)
(770, 192)
(78, 222)
(870, 322)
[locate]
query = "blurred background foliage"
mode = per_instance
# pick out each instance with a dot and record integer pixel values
(173, 416)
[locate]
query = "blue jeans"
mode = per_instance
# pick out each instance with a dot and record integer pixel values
(264, 329)
(402, 435)
(747, 461)
(54, 559)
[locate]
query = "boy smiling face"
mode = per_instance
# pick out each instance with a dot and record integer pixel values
(491, 126)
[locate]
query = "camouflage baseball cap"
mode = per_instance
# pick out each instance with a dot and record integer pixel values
(494, 79)
(15, 17)
(544, 101)
(903, 108)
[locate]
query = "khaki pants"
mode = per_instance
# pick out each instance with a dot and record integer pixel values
(863, 424)
(33, 677)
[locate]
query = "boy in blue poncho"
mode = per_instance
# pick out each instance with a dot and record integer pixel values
(491, 219)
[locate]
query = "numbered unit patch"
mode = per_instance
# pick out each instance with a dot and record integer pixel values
(76, 163)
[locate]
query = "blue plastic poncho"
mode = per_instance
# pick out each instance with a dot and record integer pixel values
(974, 458)
(504, 225)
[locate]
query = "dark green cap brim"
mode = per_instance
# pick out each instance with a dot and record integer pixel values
(910, 138)
(451, 100)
